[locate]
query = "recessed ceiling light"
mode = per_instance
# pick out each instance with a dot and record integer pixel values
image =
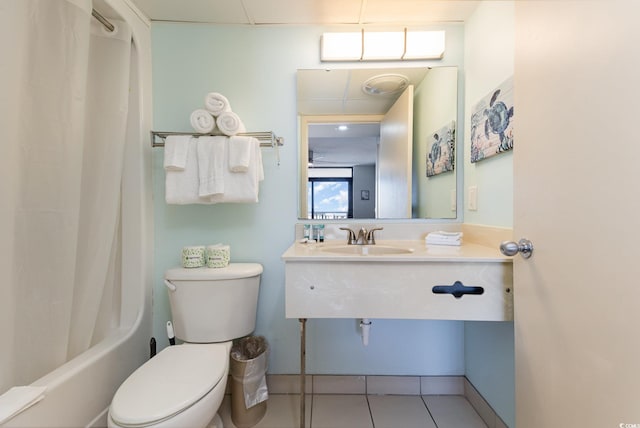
(343, 127)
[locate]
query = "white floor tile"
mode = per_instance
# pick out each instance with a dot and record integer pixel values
(393, 411)
(357, 411)
(283, 411)
(396, 385)
(339, 384)
(340, 411)
(452, 411)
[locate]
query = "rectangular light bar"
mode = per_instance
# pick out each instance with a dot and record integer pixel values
(382, 45)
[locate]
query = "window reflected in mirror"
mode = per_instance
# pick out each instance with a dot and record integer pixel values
(384, 138)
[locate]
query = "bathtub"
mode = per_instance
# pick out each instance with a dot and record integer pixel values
(80, 391)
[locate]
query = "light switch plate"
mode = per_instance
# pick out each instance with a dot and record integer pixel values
(473, 198)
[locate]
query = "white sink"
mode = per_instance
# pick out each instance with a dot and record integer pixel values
(397, 279)
(366, 250)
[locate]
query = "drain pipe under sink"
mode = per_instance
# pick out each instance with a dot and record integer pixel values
(365, 325)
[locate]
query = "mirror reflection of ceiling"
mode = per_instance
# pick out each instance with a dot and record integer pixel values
(321, 12)
(340, 91)
(330, 146)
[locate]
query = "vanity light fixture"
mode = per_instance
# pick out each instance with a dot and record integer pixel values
(382, 45)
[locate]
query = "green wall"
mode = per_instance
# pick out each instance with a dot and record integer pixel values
(489, 53)
(255, 67)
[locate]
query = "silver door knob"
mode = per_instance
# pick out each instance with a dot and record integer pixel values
(523, 246)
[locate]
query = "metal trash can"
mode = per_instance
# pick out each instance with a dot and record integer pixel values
(248, 368)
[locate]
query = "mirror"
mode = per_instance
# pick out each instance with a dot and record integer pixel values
(377, 143)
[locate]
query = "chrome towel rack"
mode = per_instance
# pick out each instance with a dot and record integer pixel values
(267, 139)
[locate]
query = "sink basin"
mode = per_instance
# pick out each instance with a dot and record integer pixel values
(366, 250)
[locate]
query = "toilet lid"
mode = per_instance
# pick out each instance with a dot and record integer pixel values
(170, 382)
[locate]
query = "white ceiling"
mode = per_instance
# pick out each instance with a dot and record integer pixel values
(322, 12)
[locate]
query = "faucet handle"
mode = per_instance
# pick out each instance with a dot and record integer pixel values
(351, 235)
(370, 236)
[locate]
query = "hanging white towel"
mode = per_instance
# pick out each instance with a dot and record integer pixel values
(202, 121)
(216, 103)
(18, 399)
(211, 165)
(243, 187)
(182, 187)
(175, 152)
(240, 149)
(229, 123)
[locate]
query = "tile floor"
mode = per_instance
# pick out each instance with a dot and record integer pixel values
(365, 411)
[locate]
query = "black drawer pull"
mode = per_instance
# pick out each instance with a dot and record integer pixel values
(458, 289)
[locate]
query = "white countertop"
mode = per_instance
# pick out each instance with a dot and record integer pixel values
(467, 252)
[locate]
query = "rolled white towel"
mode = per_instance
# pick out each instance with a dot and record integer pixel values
(202, 121)
(229, 123)
(216, 103)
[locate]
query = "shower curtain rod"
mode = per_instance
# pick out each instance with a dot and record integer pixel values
(97, 15)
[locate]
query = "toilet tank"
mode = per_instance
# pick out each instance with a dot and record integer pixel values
(214, 304)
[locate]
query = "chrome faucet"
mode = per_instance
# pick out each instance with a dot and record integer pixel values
(363, 237)
(371, 239)
(351, 236)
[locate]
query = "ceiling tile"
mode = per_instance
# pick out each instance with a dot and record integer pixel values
(304, 11)
(211, 11)
(322, 83)
(417, 11)
(324, 12)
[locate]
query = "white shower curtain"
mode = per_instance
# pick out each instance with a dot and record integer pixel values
(64, 82)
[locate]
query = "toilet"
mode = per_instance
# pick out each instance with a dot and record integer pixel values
(183, 385)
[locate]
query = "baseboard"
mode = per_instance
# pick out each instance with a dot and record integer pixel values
(486, 412)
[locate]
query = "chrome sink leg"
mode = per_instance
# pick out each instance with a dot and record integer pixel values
(303, 377)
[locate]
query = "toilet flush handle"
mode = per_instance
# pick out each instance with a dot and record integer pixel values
(169, 285)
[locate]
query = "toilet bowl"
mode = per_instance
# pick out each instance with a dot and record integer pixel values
(183, 385)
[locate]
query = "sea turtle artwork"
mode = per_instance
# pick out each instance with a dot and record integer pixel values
(441, 150)
(492, 123)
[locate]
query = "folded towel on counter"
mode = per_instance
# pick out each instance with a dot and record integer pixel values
(229, 123)
(240, 153)
(211, 162)
(216, 103)
(444, 238)
(182, 187)
(243, 187)
(18, 399)
(175, 152)
(202, 121)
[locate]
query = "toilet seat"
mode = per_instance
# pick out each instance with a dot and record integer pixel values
(171, 382)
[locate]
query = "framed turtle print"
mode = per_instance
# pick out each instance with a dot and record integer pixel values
(492, 123)
(441, 150)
